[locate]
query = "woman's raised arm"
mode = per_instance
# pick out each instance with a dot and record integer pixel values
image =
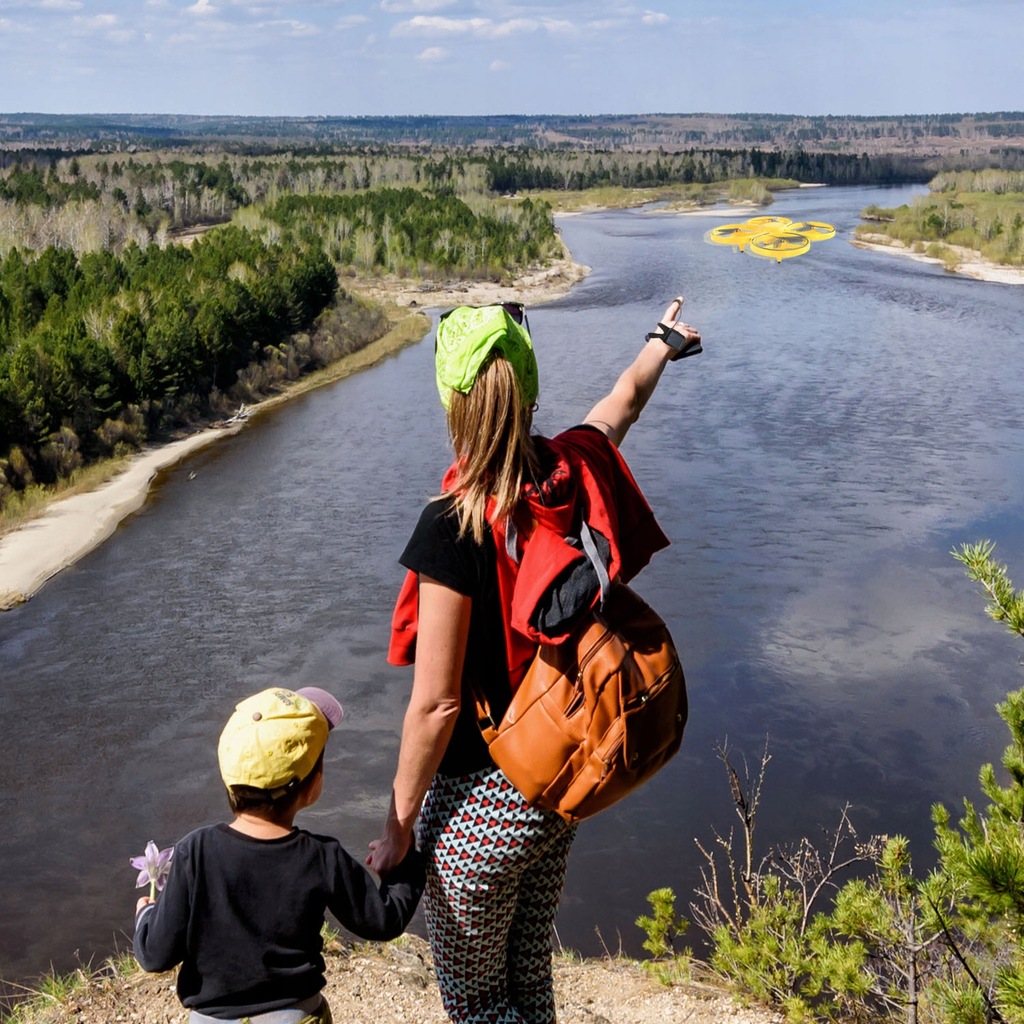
(621, 407)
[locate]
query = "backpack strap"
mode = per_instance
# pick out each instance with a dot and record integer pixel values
(590, 547)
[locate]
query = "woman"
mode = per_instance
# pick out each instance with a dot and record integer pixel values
(496, 866)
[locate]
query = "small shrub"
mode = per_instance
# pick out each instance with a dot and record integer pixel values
(661, 927)
(62, 453)
(19, 469)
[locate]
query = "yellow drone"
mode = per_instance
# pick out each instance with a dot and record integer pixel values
(777, 238)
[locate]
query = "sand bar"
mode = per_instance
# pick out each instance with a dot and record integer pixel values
(535, 287)
(72, 527)
(971, 264)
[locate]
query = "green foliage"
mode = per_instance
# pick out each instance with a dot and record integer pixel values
(950, 258)
(98, 351)
(1004, 604)
(749, 191)
(52, 989)
(982, 860)
(770, 956)
(406, 231)
(661, 927)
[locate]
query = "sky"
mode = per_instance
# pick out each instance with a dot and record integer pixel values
(374, 57)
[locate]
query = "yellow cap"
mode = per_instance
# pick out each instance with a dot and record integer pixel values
(272, 739)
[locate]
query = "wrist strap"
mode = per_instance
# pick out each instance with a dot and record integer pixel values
(670, 336)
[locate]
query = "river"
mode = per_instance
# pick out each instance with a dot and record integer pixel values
(854, 417)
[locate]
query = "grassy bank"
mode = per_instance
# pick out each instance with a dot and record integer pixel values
(981, 212)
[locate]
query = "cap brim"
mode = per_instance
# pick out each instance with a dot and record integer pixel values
(332, 710)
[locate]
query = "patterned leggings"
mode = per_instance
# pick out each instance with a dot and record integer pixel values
(494, 879)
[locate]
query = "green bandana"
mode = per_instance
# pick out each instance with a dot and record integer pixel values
(465, 339)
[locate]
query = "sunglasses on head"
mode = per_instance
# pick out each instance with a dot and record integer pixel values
(516, 310)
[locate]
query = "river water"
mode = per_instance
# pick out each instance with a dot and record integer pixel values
(854, 416)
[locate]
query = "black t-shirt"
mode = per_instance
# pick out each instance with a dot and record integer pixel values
(243, 916)
(436, 550)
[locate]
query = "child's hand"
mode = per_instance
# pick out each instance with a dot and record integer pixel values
(143, 901)
(388, 852)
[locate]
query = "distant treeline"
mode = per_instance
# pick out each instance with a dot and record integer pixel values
(667, 131)
(531, 169)
(97, 351)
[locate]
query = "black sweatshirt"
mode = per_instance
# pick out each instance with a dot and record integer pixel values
(243, 916)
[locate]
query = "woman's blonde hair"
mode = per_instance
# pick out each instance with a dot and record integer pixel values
(490, 431)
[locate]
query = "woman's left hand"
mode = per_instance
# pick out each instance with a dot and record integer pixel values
(388, 852)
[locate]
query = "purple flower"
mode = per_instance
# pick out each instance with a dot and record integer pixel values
(153, 867)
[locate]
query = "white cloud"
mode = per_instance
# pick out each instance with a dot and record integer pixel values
(422, 25)
(97, 21)
(85, 71)
(413, 6)
(351, 21)
(500, 65)
(432, 54)
(291, 27)
(508, 28)
(558, 26)
(202, 7)
(62, 5)
(655, 18)
(482, 28)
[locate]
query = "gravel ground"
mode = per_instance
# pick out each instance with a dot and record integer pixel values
(394, 984)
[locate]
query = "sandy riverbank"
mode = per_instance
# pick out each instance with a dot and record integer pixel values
(72, 527)
(971, 264)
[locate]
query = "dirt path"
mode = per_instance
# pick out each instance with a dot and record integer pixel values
(395, 984)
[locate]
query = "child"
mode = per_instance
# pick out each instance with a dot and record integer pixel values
(244, 903)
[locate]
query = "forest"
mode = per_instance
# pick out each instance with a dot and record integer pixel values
(100, 349)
